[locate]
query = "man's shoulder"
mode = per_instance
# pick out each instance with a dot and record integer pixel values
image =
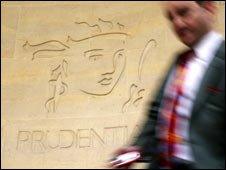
(221, 51)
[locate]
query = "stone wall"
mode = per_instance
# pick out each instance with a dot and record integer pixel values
(77, 78)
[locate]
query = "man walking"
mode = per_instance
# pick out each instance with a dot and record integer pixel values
(185, 123)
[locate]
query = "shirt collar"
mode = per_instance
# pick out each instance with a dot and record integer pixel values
(206, 48)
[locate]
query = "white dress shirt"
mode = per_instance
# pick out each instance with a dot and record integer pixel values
(205, 50)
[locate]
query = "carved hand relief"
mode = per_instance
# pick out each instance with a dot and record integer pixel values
(102, 57)
(135, 97)
(136, 92)
(57, 86)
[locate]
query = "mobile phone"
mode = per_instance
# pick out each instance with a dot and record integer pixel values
(125, 158)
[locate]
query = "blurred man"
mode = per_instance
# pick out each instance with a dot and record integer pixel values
(185, 124)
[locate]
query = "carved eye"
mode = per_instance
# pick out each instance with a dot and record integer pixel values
(120, 55)
(95, 57)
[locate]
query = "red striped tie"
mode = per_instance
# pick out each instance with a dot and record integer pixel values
(169, 114)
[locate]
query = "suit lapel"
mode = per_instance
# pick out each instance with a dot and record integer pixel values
(211, 79)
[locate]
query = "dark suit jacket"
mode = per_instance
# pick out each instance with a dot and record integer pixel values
(207, 121)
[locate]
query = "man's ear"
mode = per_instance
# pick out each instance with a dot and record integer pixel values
(209, 6)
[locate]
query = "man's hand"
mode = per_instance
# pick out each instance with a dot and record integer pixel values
(120, 151)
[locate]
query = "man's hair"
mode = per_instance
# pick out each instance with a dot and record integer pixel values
(200, 2)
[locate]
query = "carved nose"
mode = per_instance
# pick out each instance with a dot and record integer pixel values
(110, 68)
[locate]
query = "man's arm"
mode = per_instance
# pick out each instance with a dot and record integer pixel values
(146, 140)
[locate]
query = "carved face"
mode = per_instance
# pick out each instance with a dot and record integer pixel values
(98, 63)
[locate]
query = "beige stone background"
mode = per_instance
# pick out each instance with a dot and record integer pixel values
(77, 78)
